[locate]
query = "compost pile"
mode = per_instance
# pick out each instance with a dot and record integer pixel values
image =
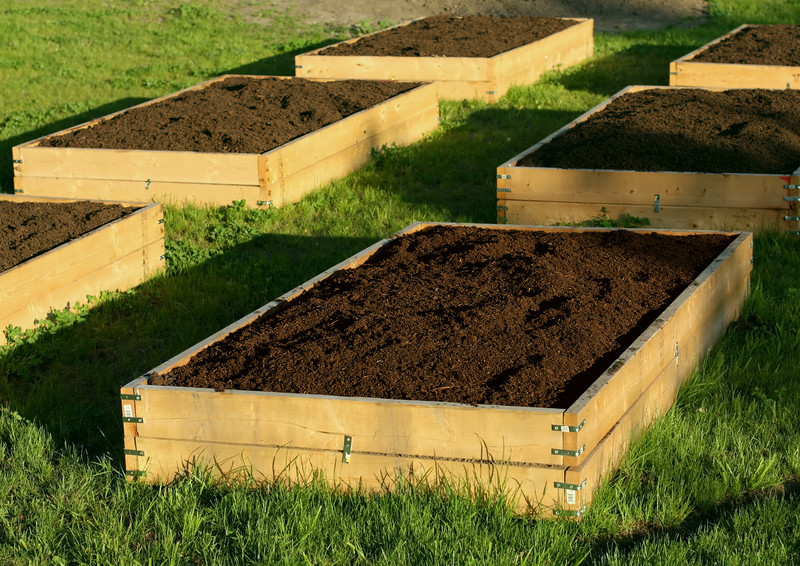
(777, 45)
(449, 36)
(28, 229)
(753, 131)
(238, 114)
(462, 314)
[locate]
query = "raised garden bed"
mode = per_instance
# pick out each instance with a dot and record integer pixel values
(678, 157)
(520, 360)
(751, 56)
(469, 57)
(265, 140)
(58, 251)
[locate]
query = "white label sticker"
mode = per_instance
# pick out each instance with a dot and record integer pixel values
(127, 410)
(571, 493)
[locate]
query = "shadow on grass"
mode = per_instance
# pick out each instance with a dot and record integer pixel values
(69, 380)
(455, 171)
(720, 515)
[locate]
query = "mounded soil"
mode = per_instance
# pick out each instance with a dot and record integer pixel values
(449, 36)
(28, 229)
(735, 131)
(462, 314)
(777, 45)
(238, 114)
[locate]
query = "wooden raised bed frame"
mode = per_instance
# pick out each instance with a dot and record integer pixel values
(686, 200)
(281, 175)
(116, 256)
(544, 458)
(484, 78)
(685, 72)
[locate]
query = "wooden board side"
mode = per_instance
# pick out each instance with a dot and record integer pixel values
(720, 75)
(681, 217)
(362, 128)
(374, 425)
(652, 189)
(158, 191)
(137, 165)
(293, 186)
(527, 488)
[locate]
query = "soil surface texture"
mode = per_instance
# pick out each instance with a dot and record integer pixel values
(462, 314)
(692, 130)
(28, 229)
(449, 36)
(756, 45)
(238, 114)
(608, 15)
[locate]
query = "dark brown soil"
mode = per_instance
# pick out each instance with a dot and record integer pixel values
(28, 229)
(448, 36)
(462, 314)
(736, 131)
(757, 45)
(236, 115)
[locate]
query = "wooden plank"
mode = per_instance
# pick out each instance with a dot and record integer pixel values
(156, 191)
(119, 274)
(700, 74)
(423, 69)
(79, 257)
(486, 78)
(448, 430)
(294, 186)
(136, 165)
(706, 307)
(609, 452)
(530, 488)
(363, 128)
(639, 188)
(526, 64)
(681, 217)
(684, 71)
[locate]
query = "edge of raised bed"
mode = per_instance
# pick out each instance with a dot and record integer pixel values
(668, 199)
(116, 256)
(483, 78)
(685, 72)
(291, 437)
(272, 178)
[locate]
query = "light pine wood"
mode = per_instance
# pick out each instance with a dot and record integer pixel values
(157, 191)
(679, 217)
(293, 186)
(137, 165)
(639, 188)
(376, 426)
(687, 72)
(485, 78)
(530, 488)
(526, 64)
(178, 177)
(116, 256)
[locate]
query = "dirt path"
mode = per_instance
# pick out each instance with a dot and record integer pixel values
(609, 15)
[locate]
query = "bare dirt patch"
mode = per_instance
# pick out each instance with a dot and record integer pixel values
(609, 15)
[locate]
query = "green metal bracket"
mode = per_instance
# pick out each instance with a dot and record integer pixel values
(565, 428)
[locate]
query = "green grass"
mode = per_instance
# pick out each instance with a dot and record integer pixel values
(715, 481)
